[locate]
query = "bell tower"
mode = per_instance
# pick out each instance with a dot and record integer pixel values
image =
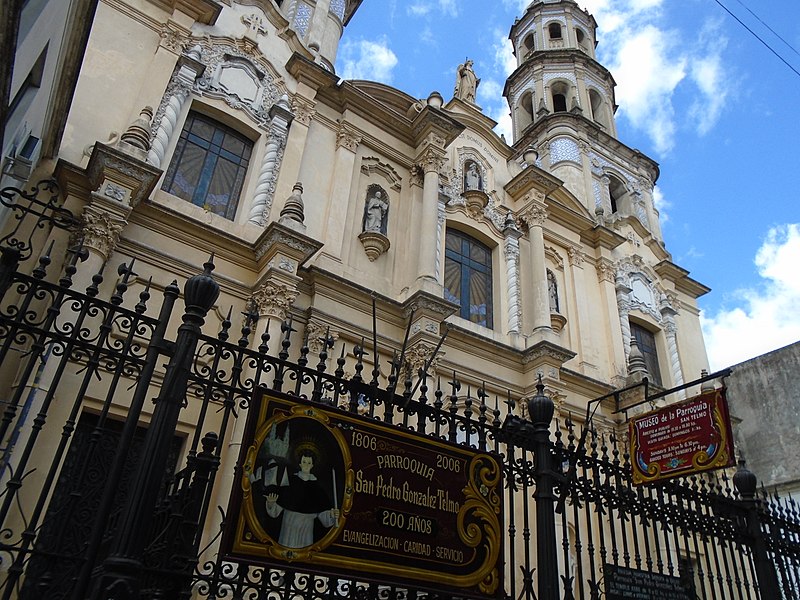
(554, 43)
(562, 105)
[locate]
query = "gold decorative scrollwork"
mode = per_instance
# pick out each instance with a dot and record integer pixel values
(479, 519)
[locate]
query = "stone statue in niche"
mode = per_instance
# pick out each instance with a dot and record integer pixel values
(376, 210)
(466, 82)
(552, 290)
(472, 177)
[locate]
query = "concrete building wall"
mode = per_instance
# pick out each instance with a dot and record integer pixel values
(764, 398)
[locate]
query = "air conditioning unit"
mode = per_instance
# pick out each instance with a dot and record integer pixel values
(19, 165)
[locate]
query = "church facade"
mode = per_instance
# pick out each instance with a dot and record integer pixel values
(544, 255)
(201, 128)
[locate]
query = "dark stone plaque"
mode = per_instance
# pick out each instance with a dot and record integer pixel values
(632, 584)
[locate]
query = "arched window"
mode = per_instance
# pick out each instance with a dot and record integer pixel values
(525, 116)
(529, 43)
(209, 165)
(555, 31)
(616, 193)
(560, 91)
(579, 35)
(598, 110)
(468, 277)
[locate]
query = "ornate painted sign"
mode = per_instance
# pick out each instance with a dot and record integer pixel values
(688, 437)
(345, 495)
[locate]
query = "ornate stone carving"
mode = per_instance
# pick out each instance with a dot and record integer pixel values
(303, 110)
(270, 165)
(375, 243)
(418, 354)
(475, 202)
(173, 37)
(319, 336)
(576, 256)
(255, 24)
(372, 165)
(431, 160)
(606, 271)
(273, 299)
(114, 192)
(534, 216)
(171, 106)
(101, 231)
(346, 137)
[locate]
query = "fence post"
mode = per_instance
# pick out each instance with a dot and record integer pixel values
(540, 412)
(745, 482)
(120, 577)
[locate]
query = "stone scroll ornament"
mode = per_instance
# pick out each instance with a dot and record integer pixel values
(346, 495)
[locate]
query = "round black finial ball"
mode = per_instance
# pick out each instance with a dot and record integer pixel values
(201, 291)
(745, 481)
(540, 407)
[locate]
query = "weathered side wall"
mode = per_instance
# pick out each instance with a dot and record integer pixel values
(764, 393)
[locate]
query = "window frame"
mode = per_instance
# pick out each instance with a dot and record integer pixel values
(212, 150)
(649, 352)
(467, 266)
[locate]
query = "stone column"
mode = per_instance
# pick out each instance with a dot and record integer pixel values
(579, 296)
(281, 116)
(316, 29)
(623, 305)
(616, 353)
(292, 164)
(668, 313)
(280, 251)
(335, 223)
(441, 218)
(167, 115)
(431, 161)
(534, 217)
(511, 252)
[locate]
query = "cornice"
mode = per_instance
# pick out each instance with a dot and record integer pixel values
(680, 277)
(310, 73)
(435, 121)
(530, 178)
(600, 236)
(599, 139)
(202, 11)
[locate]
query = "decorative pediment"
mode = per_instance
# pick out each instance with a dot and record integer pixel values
(238, 74)
(371, 165)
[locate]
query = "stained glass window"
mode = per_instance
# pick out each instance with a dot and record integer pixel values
(468, 277)
(209, 165)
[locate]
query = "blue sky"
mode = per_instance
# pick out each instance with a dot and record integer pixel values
(696, 92)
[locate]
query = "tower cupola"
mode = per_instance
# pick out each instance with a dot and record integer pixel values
(554, 44)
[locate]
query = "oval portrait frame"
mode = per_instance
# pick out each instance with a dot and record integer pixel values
(304, 419)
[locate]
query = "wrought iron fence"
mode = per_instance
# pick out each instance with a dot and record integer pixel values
(93, 505)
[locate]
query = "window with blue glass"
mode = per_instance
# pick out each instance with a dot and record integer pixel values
(209, 165)
(468, 277)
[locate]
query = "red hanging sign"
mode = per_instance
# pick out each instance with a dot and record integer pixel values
(692, 436)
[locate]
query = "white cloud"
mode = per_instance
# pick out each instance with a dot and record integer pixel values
(647, 77)
(504, 58)
(449, 7)
(419, 9)
(367, 59)
(490, 90)
(652, 62)
(767, 317)
(662, 204)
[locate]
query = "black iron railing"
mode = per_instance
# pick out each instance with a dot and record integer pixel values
(93, 506)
